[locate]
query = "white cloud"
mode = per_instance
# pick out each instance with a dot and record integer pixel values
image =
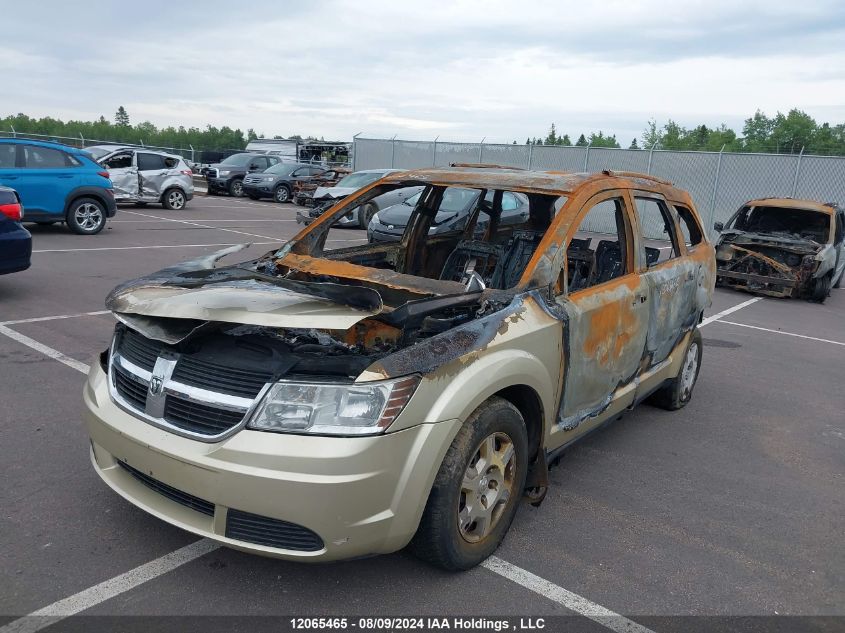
(462, 70)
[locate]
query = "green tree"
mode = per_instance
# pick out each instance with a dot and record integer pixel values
(581, 142)
(551, 137)
(634, 145)
(565, 140)
(121, 118)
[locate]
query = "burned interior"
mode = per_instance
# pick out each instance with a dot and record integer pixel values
(396, 293)
(778, 248)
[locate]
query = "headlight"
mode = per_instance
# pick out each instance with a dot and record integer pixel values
(269, 178)
(223, 172)
(331, 408)
(375, 218)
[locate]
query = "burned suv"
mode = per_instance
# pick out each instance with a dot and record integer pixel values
(318, 403)
(783, 248)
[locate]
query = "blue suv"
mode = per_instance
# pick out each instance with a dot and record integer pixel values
(57, 183)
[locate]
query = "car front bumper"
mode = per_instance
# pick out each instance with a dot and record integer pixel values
(360, 496)
(218, 184)
(260, 190)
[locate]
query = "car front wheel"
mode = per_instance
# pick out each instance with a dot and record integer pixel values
(281, 194)
(86, 216)
(476, 493)
(173, 199)
(236, 188)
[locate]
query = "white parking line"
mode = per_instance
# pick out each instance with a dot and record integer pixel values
(108, 589)
(730, 310)
(765, 329)
(564, 597)
(44, 349)
(132, 248)
(204, 226)
(53, 318)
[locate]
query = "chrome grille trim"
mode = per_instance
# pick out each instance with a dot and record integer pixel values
(143, 377)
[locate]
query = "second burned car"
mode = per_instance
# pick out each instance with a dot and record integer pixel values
(783, 247)
(319, 404)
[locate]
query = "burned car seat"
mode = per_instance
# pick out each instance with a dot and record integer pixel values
(500, 265)
(608, 261)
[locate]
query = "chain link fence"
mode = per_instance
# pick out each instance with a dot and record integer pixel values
(719, 182)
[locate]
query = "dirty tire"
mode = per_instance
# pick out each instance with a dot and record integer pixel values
(86, 216)
(821, 289)
(366, 213)
(236, 188)
(281, 193)
(174, 199)
(678, 392)
(439, 539)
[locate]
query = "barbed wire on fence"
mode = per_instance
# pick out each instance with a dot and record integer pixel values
(719, 182)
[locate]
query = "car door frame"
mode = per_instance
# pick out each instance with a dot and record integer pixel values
(593, 391)
(158, 179)
(672, 284)
(122, 189)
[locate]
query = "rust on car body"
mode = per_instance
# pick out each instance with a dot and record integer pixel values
(506, 309)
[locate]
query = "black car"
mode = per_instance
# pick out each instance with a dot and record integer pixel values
(277, 181)
(457, 204)
(15, 241)
(227, 176)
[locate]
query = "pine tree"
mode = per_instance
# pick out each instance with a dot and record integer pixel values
(121, 118)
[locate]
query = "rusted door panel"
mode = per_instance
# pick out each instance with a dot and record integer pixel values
(672, 304)
(605, 333)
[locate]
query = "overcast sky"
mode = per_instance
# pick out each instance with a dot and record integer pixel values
(460, 70)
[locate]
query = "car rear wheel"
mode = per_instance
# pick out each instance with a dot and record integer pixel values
(236, 188)
(678, 392)
(476, 493)
(86, 216)
(174, 199)
(281, 193)
(366, 213)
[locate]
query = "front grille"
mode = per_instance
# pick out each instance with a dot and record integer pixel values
(232, 389)
(236, 382)
(253, 528)
(183, 498)
(199, 418)
(141, 351)
(130, 389)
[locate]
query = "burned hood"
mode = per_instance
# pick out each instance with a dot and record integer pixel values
(785, 240)
(198, 292)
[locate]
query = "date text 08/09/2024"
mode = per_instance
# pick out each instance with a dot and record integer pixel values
(417, 624)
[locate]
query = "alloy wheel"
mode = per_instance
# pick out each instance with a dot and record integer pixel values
(487, 486)
(88, 216)
(689, 371)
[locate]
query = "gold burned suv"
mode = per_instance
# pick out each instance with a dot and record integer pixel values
(318, 404)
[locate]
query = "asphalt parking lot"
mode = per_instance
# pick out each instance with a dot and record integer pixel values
(733, 506)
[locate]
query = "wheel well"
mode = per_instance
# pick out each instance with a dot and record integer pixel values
(528, 402)
(170, 188)
(73, 199)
